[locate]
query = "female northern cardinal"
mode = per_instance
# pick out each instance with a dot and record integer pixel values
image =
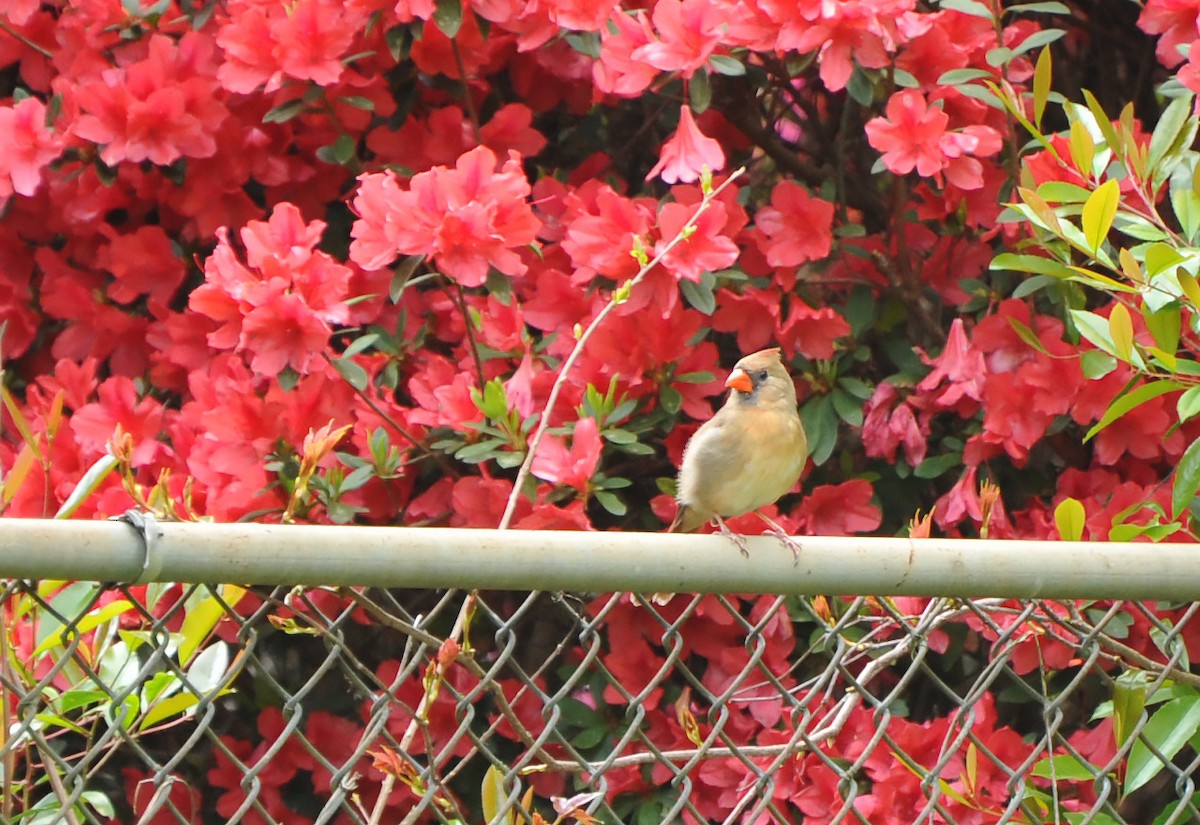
(747, 455)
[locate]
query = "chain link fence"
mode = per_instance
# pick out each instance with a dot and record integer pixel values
(197, 704)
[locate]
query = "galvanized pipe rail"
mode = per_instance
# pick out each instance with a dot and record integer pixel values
(593, 561)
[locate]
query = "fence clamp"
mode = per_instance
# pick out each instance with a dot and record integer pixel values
(147, 528)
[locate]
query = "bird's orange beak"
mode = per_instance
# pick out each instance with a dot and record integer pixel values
(739, 380)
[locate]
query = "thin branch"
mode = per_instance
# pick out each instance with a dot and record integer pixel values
(44, 52)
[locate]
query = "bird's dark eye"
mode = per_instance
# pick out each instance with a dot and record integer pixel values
(762, 375)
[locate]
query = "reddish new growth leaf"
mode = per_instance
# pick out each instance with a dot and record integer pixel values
(466, 218)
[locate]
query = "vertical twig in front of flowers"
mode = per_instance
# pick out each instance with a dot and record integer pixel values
(619, 296)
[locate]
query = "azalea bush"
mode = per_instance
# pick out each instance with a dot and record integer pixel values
(325, 262)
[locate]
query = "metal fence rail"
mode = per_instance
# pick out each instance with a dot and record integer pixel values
(193, 703)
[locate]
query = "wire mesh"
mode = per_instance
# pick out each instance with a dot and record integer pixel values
(197, 704)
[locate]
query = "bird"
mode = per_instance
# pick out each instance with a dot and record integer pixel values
(746, 456)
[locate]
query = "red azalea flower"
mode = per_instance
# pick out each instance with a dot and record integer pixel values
(575, 466)
(687, 153)
(465, 218)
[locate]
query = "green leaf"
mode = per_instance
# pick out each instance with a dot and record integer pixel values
(92, 620)
(699, 92)
(1164, 326)
(204, 610)
(1041, 86)
(670, 399)
(848, 408)
(87, 485)
(1070, 518)
(449, 17)
(726, 65)
(1188, 404)
(1120, 328)
(1096, 364)
(820, 423)
(354, 374)
(1175, 127)
(493, 796)
(611, 502)
(1159, 257)
(360, 343)
(971, 7)
(1103, 122)
(1038, 39)
(1169, 729)
(284, 111)
(1083, 148)
(1064, 768)
(700, 295)
(1134, 398)
(1187, 477)
(955, 77)
(1026, 334)
(1049, 7)
(1030, 263)
(343, 149)
(1094, 328)
(1058, 191)
(364, 103)
(1098, 213)
(499, 286)
(1128, 702)
(1187, 209)
(937, 465)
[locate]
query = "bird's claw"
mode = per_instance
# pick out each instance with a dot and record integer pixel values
(738, 539)
(781, 534)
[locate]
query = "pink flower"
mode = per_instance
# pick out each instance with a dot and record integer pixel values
(618, 71)
(266, 42)
(278, 310)
(687, 153)
(914, 135)
(705, 250)
(467, 218)
(689, 32)
(798, 227)
(576, 466)
(29, 146)
(910, 136)
(159, 109)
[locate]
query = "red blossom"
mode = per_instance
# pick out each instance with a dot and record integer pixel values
(573, 467)
(688, 153)
(916, 136)
(29, 146)
(160, 108)
(618, 71)
(688, 33)
(465, 218)
(797, 227)
(705, 249)
(840, 509)
(265, 42)
(278, 309)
